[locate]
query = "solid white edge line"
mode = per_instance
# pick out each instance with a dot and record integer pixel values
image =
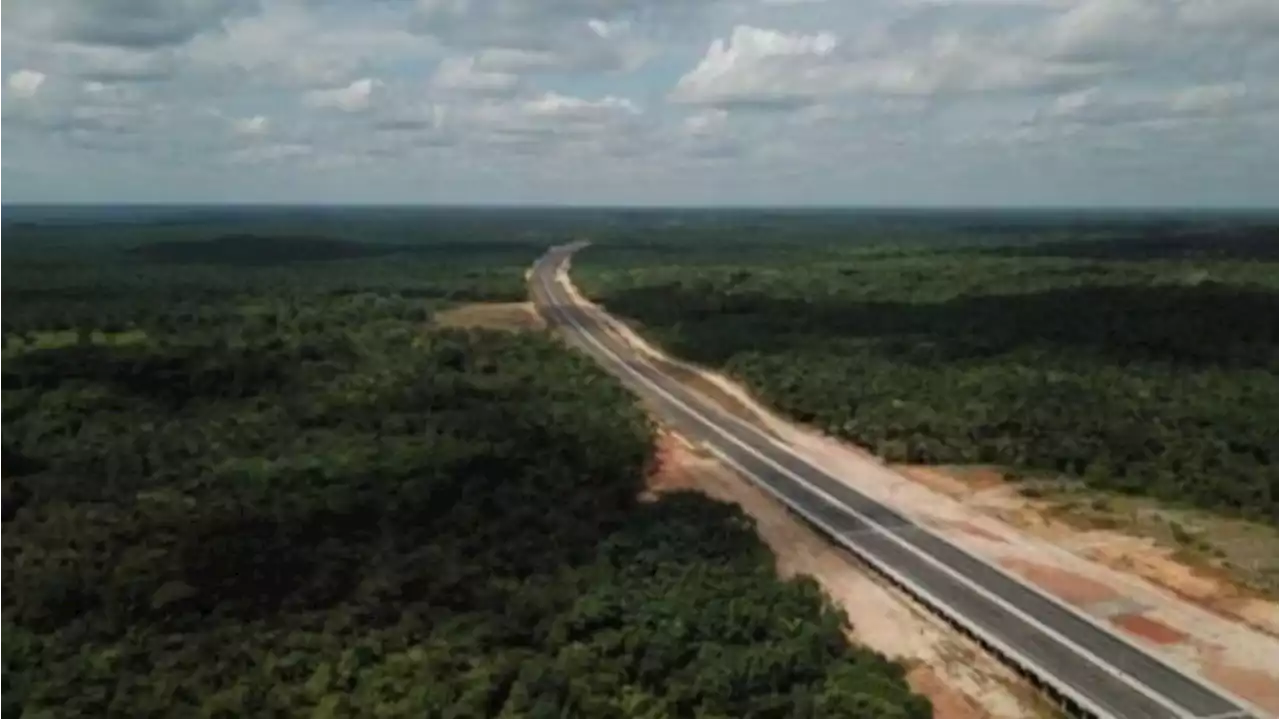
(937, 604)
(998, 601)
(1249, 707)
(1084, 653)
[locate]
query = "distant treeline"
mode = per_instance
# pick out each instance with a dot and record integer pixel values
(1144, 364)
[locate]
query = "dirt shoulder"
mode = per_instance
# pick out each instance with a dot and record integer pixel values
(1159, 600)
(1225, 565)
(960, 679)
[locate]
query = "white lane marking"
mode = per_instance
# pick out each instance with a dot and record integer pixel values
(1250, 708)
(1081, 651)
(904, 529)
(1068, 690)
(846, 541)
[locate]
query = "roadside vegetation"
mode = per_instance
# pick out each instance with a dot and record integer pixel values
(1138, 356)
(245, 477)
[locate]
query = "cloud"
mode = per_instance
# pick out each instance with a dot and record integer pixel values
(706, 123)
(1235, 17)
(25, 83)
(1151, 30)
(576, 109)
(251, 126)
(462, 75)
(756, 67)
(136, 23)
(118, 65)
(270, 153)
(769, 69)
(961, 64)
(411, 122)
(571, 100)
(1094, 29)
(605, 29)
(563, 35)
(1215, 102)
(352, 98)
(100, 119)
(305, 44)
(1210, 99)
(551, 122)
(707, 135)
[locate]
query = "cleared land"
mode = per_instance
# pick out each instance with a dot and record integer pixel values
(1144, 374)
(1198, 598)
(961, 680)
(516, 316)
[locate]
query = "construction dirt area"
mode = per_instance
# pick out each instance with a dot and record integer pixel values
(962, 681)
(513, 316)
(1158, 579)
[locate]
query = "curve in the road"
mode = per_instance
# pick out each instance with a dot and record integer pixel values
(1094, 669)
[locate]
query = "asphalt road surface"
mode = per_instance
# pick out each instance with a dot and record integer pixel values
(1098, 671)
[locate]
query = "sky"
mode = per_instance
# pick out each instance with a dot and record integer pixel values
(642, 102)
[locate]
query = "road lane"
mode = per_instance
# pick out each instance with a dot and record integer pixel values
(1095, 669)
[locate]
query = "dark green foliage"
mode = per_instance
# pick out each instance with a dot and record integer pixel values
(13, 497)
(1148, 375)
(1238, 240)
(262, 497)
(244, 249)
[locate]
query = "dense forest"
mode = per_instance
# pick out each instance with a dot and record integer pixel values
(1136, 354)
(246, 476)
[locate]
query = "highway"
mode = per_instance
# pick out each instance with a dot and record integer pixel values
(1077, 658)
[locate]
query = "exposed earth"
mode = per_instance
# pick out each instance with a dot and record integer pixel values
(1204, 619)
(958, 677)
(491, 315)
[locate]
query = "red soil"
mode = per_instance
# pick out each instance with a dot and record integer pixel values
(1068, 586)
(1149, 629)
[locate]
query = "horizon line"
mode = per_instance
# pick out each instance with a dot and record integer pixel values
(647, 206)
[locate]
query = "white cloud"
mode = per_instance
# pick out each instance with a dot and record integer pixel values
(955, 63)
(1196, 103)
(706, 122)
(1209, 99)
(513, 60)
(759, 67)
(706, 135)
(707, 99)
(296, 44)
(550, 121)
(256, 125)
(1250, 17)
(564, 35)
(104, 64)
(25, 83)
(1103, 28)
(772, 69)
(575, 108)
(352, 98)
(606, 29)
(269, 153)
(462, 75)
